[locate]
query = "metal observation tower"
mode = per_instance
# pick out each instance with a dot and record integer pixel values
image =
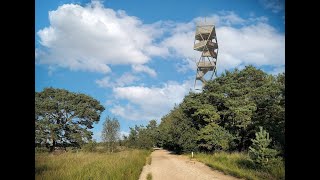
(206, 42)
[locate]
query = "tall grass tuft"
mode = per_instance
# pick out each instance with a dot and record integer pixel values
(149, 160)
(149, 176)
(240, 165)
(88, 165)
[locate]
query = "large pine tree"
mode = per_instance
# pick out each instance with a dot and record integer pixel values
(63, 118)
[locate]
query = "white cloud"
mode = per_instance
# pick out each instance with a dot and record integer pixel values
(181, 44)
(146, 103)
(92, 37)
(223, 18)
(186, 65)
(275, 5)
(257, 44)
(143, 68)
(105, 82)
(125, 79)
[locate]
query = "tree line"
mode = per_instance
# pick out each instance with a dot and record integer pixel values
(235, 112)
(238, 111)
(227, 114)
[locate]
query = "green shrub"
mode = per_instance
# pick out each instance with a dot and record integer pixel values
(90, 146)
(259, 151)
(214, 138)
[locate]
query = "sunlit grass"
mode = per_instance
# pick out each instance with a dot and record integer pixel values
(239, 165)
(121, 165)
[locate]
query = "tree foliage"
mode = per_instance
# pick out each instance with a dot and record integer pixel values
(214, 137)
(110, 132)
(63, 118)
(177, 133)
(259, 151)
(226, 113)
(143, 137)
(90, 146)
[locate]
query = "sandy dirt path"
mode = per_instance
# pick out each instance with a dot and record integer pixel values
(167, 166)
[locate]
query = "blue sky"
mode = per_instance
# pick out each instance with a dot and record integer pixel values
(137, 57)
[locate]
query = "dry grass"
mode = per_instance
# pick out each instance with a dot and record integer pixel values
(149, 160)
(149, 176)
(121, 165)
(239, 165)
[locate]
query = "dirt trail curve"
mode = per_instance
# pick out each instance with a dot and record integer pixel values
(167, 166)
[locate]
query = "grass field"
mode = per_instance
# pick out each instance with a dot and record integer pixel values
(239, 165)
(126, 165)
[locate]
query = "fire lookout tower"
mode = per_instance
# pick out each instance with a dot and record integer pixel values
(206, 42)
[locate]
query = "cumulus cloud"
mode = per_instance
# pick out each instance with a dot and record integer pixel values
(180, 44)
(146, 103)
(257, 44)
(275, 5)
(186, 64)
(223, 18)
(143, 68)
(92, 37)
(125, 79)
